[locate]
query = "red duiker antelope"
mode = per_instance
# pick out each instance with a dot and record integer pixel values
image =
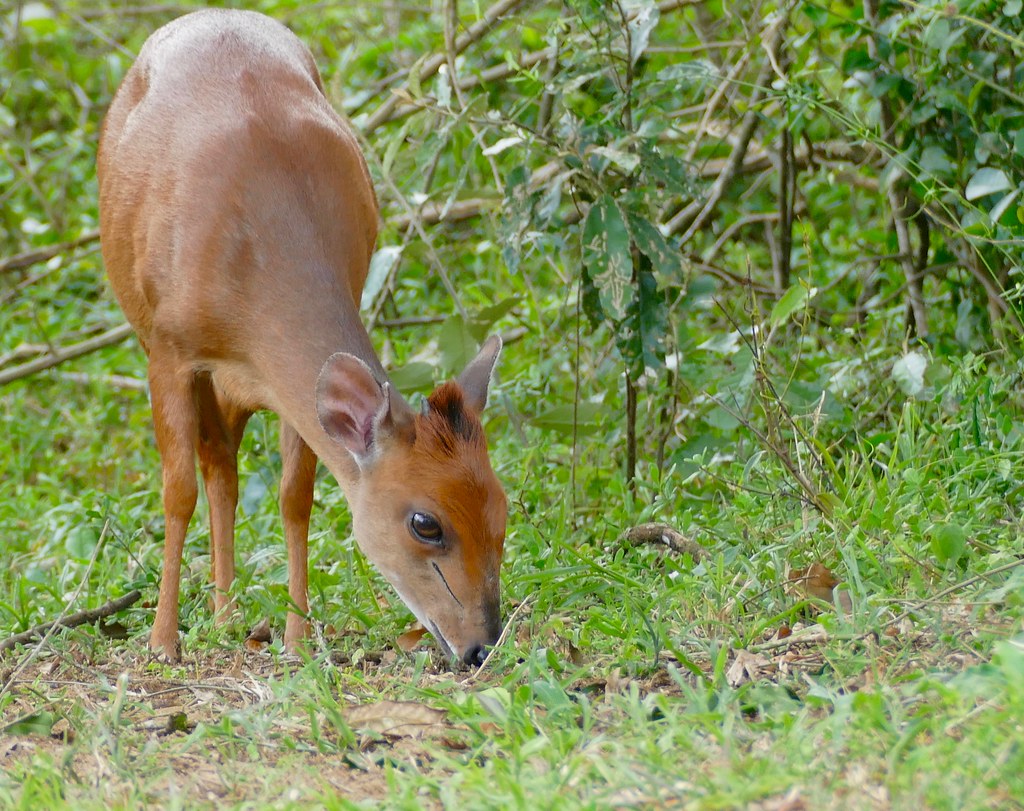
(237, 219)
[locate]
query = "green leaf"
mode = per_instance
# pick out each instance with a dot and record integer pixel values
(857, 59)
(458, 346)
(949, 542)
(607, 257)
(999, 209)
(415, 376)
(666, 261)
(791, 301)
(38, 723)
(560, 418)
(986, 181)
(480, 322)
(81, 541)
(626, 161)
(936, 162)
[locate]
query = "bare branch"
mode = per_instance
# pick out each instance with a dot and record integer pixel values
(73, 620)
(108, 338)
(29, 258)
(475, 32)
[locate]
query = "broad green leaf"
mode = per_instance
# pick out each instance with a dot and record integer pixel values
(380, 267)
(38, 723)
(999, 209)
(458, 346)
(855, 59)
(626, 161)
(986, 181)
(415, 376)
(560, 418)
(908, 372)
(936, 162)
(607, 257)
(791, 301)
(639, 337)
(666, 261)
(949, 542)
(81, 541)
(480, 322)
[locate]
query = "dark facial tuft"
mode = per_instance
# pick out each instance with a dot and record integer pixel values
(447, 414)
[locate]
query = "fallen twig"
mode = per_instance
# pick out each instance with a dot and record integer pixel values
(664, 535)
(73, 620)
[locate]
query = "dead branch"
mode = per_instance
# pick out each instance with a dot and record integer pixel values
(61, 354)
(664, 535)
(122, 382)
(73, 620)
(389, 110)
(29, 258)
(431, 66)
(695, 216)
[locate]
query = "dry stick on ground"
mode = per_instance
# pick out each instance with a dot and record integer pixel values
(31, 655)
(85, 617)
(664, 535)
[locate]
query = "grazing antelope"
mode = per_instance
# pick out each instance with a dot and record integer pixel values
(238, 219)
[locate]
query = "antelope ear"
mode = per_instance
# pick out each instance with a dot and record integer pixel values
(355, 410)
(476, 377)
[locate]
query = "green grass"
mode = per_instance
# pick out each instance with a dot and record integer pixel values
(615, 686)
(631, 676)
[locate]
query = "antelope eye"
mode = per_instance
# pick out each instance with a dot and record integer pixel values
(426, 528)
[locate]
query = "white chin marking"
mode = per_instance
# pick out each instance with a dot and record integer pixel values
(446, 647)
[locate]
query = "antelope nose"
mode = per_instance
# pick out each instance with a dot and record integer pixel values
(475, 655)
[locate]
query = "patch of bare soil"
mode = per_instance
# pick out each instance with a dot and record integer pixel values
(122, 724)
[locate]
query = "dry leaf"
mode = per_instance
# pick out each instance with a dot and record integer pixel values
(746, 667)
(113, 630)
(261, 633)
(411, 638)
(814, 581)
(397, 719)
